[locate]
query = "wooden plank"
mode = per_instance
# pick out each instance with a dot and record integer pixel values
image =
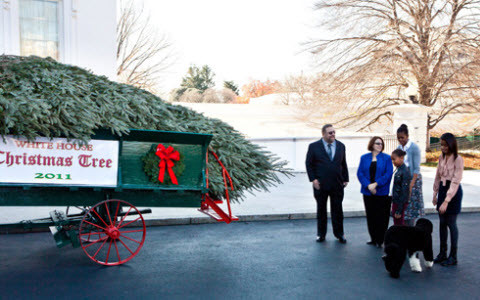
(88, 197)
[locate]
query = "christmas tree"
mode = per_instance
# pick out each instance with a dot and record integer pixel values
(41, 97)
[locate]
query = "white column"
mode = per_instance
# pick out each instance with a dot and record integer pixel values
(69, 35)
(3, 40)
(9, 27)
(415, 117)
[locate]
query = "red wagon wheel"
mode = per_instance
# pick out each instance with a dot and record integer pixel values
(112, 232)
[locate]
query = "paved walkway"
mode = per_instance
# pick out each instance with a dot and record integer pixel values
(243, 260)
(291, 200)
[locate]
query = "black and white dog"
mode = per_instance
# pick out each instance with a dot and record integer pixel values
(402, 239)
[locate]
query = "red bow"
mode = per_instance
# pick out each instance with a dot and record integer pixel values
(167, 155)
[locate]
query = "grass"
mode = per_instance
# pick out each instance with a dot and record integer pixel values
(430, 164)
(435, 164)
(471, 160)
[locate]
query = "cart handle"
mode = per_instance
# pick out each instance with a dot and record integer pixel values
(225, 175)
(224, 170)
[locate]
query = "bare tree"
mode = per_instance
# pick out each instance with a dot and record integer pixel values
(301, 90)
(306, 93)
(385, 47)
(143, 55)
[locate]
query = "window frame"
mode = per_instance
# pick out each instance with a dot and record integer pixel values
(60, 29)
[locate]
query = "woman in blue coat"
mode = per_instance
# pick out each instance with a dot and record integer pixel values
(375, 173)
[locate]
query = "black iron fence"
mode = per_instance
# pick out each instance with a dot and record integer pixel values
(391, 143)
(463, 144)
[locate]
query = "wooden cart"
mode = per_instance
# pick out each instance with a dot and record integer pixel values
(106, 181)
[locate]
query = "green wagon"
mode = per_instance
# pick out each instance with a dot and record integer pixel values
(106, 180)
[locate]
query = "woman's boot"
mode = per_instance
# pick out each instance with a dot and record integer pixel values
(442, 256)
(452, 259)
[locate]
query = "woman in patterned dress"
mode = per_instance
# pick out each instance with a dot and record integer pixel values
(415, 208)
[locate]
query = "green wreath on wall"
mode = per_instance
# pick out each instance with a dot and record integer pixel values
(163, 165)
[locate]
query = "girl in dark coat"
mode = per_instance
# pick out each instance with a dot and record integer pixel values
(401, 187)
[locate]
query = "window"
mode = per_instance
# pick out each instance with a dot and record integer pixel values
(39, 28)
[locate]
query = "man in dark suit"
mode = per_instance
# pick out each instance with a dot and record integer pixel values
(327, 170)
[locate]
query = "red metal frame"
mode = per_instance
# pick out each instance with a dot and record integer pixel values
(209, 205)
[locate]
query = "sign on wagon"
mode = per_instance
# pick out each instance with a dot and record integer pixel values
(58, 161)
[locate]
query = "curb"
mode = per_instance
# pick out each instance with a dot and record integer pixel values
(274, 217)
(243, 218)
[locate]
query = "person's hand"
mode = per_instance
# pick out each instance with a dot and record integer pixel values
(443, 208)
(372, 186)
(412, 184)
(374, 192)
(316, 184)
(434, 201)
(397, 216)
(345, 184)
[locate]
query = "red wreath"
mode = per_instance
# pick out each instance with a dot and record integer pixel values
(167, 156)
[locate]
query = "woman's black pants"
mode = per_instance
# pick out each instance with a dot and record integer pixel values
(377, 209)
(448, 221)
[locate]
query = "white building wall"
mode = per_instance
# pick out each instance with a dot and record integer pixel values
(97, 37)
(258, 120)
(87, 33)
(294, 150)
(276, 127)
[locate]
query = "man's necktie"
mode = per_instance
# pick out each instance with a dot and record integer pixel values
(330, 151)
